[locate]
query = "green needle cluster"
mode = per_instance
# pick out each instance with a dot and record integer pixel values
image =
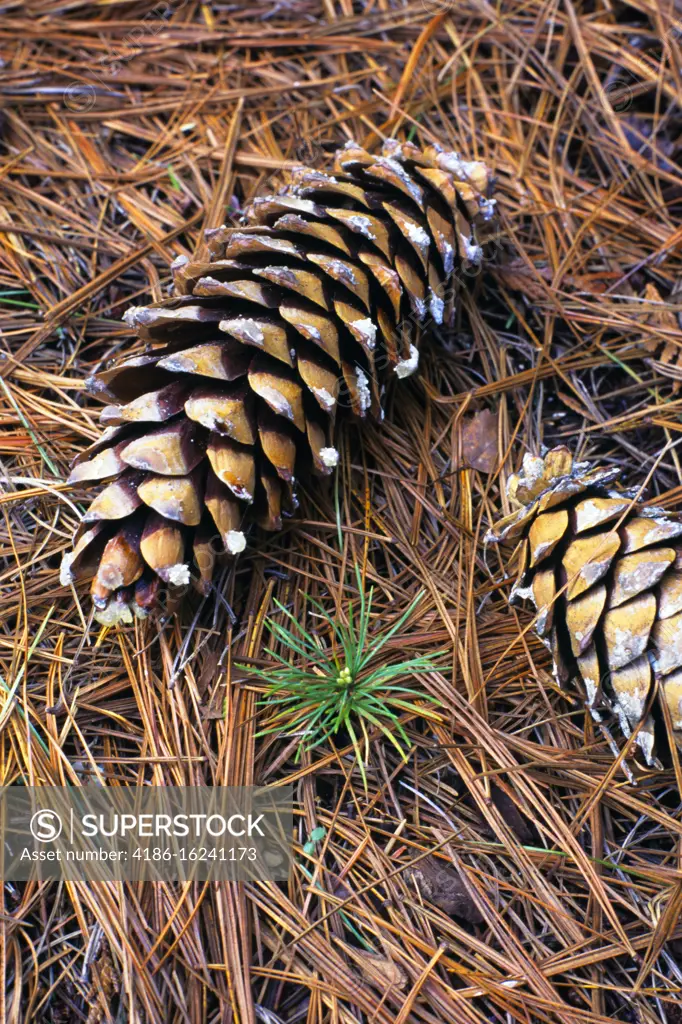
(343, 684)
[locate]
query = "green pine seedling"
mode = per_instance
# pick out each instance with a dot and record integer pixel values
(343, 686)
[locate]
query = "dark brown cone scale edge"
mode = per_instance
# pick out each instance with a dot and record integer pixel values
(604, 574)
(307, 309)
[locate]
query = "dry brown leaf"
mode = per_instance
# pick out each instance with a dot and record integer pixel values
(377, 968)
(667, 352)
(479, 441)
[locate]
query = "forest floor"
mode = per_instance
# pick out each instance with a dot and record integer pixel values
(126, 129)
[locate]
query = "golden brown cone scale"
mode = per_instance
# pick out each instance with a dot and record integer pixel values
(604, 576)
(307, 309)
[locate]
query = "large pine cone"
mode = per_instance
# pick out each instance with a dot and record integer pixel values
(311, 305)
(605, 575)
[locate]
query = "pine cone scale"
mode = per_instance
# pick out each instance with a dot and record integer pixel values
(175, 497)
(582, 618)
(118, 499)
(670, 595)
(593, 512)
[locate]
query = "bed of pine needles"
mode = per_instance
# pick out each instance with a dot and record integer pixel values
(509, 870)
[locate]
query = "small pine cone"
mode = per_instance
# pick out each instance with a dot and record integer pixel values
(605, 576)
(108, 986)
(318, 298)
